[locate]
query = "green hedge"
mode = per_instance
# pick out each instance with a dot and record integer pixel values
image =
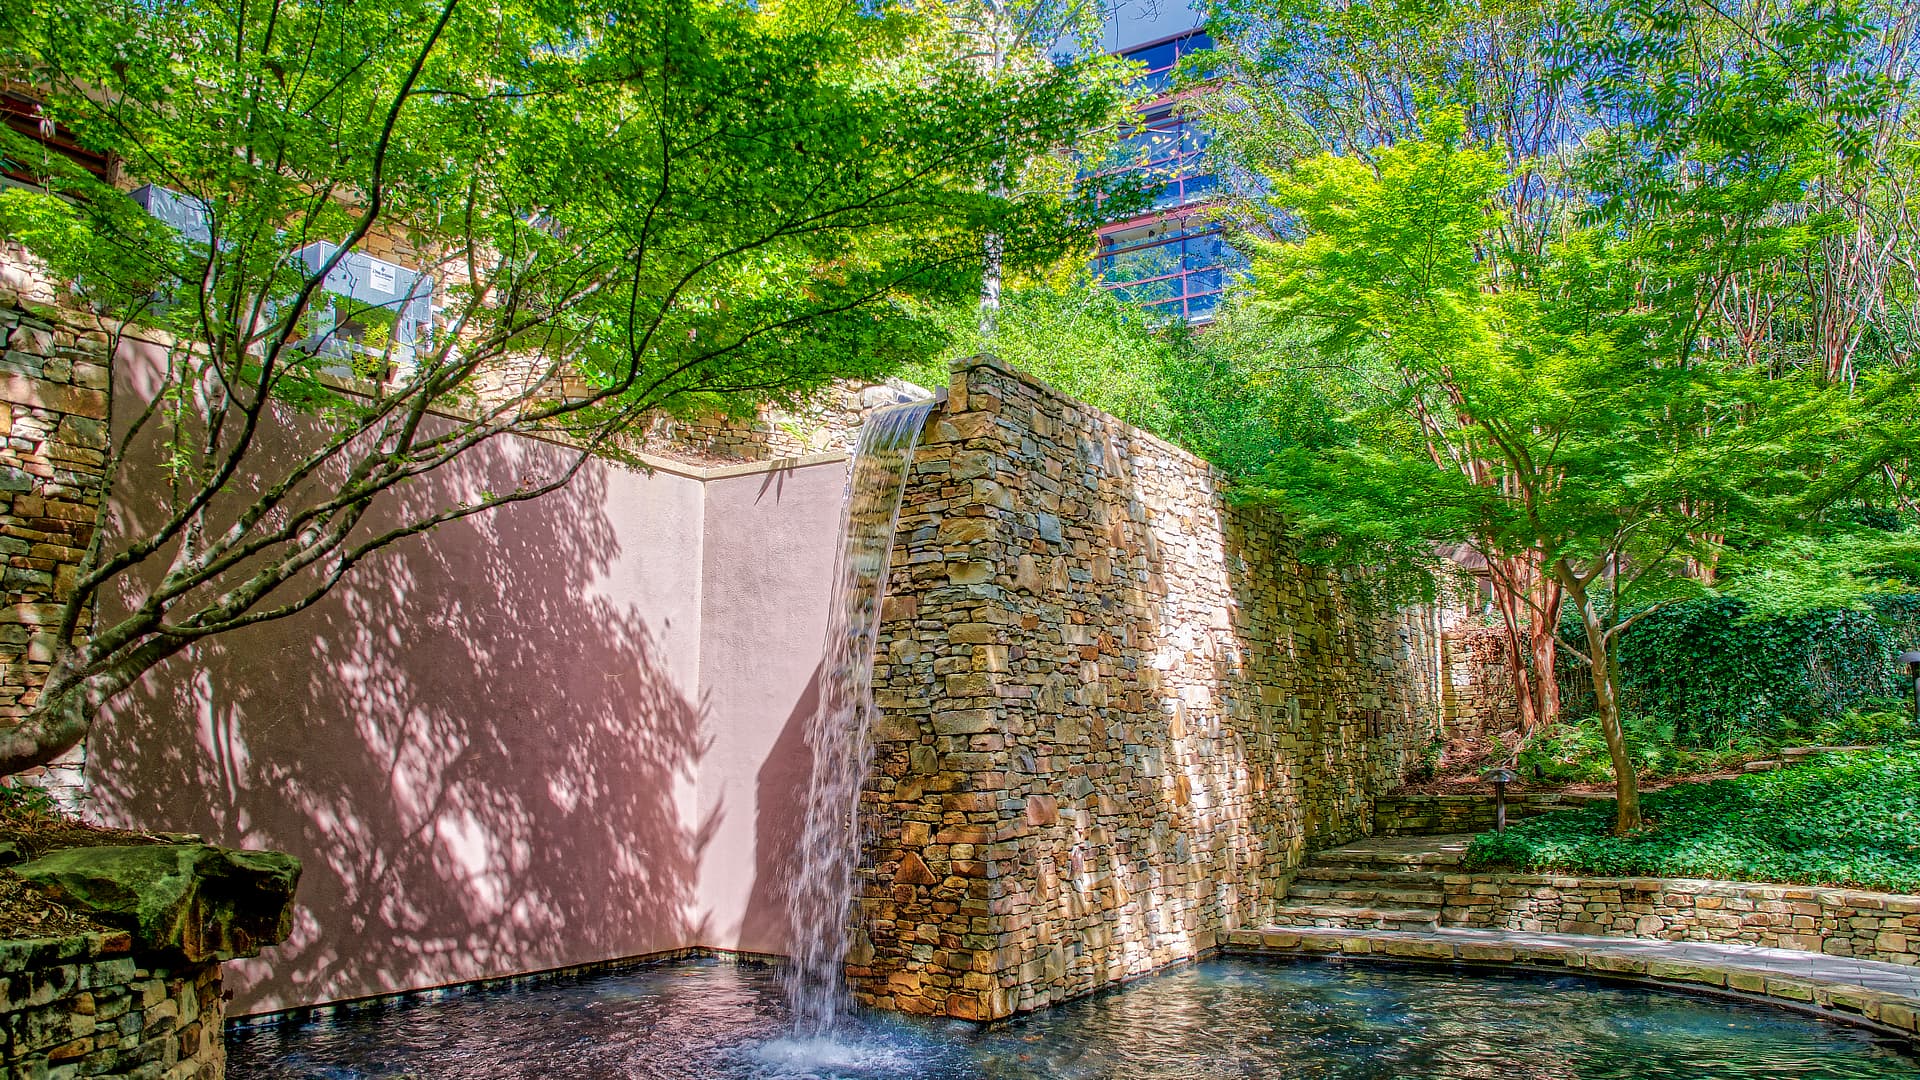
(1847, 819)
(1717, 677)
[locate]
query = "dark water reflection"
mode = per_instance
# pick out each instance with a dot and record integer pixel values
(1225, 1018)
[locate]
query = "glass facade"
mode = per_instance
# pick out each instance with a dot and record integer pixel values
(1160, 58)
(1171, 259)
(1174, 264)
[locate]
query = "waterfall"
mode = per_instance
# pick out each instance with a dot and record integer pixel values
(840, 732)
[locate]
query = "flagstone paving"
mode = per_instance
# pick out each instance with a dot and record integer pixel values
(1887, 994)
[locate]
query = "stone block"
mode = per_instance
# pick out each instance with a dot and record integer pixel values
(196, 900)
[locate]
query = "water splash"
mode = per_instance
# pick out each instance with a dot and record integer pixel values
(840, 732)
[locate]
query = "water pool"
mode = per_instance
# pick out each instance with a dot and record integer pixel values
(1234, 1017)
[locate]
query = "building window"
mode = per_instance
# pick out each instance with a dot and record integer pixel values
(1161, 58)
(1171, 266)
(1169, 260)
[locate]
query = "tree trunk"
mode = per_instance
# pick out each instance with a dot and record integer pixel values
(993, 253)
(67, 706)
(59, 720)
(1606, 697)
(1529, 603)
(990, 287)
(1545, 643)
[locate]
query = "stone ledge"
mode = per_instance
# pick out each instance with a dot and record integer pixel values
(26, 953)
(1885, 995)
(195, 902)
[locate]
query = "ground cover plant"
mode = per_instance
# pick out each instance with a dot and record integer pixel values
(1843, 820)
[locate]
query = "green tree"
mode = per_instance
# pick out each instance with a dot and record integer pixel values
(1015, 40)
(1576, 423)
(1305, 77)
(628, 206)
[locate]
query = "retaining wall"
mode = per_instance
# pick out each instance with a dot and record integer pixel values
(1433, 815)
(1838, 922)
(88, 1006)
(1477, 697)
(53, 408)
(1114, 710)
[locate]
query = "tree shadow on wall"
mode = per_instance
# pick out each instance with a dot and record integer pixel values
(475, 744)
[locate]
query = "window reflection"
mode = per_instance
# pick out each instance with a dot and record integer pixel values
(1172, 262)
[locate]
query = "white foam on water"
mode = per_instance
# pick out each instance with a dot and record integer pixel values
(826, 1058)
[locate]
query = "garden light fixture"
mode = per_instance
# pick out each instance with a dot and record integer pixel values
(1501, 778)
(1912, 660)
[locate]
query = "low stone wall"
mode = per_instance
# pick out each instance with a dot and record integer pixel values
(1115, 710)
(89, 1006)
(143, 1000)
(1846, 991)
(829, 423)
(1435, 815)
(1838, 922)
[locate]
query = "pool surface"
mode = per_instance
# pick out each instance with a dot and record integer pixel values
(1236, 1017)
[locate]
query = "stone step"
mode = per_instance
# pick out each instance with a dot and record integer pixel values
(1801, 753)
(1354, 892)
(1761, 766)
(1420, 851)
(1356, 917)
(1398, 877)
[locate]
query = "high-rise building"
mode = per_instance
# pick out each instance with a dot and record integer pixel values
(1170, 259)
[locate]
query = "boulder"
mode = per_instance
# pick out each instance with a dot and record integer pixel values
(195, 901)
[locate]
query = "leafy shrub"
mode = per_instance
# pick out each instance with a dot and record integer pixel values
(1719, 676)
(1846, 819)
(1573, 752)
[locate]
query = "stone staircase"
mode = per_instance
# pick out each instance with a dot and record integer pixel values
(1383, 883)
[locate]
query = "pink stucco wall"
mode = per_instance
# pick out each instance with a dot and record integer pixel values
(563, 732)
(768, 557)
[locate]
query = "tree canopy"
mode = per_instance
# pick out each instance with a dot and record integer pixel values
(617, 208)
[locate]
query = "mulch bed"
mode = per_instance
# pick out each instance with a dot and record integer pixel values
(1465, 759)
(30, 829)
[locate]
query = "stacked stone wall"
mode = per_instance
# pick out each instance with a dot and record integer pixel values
(1838, 922)
(1433, 815)
(1115, 711)
(53, 408)
(1477, 695)
(89, 1006)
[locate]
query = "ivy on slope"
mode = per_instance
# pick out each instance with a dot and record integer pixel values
(1718, 676)
(1845, 820)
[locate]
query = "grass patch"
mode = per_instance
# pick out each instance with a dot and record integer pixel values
(1847, 819)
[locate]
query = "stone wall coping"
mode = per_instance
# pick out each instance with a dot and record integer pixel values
(704, 473)
(1187, 457)
(27, 954)
(1474, 798)
(1827, 895)
(1886, 996)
